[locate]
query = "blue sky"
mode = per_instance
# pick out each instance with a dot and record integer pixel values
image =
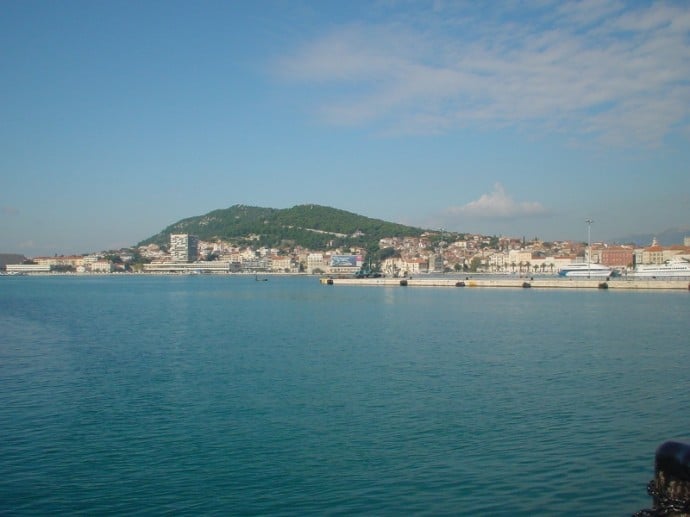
(508, 118)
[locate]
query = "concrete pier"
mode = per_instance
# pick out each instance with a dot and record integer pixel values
(512, 282)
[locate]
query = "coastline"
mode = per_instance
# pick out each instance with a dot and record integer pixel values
(457, 281)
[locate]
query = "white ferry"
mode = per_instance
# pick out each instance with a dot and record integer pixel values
(672, 268)
(585, 270)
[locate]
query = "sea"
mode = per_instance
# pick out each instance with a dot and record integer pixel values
(224, 395)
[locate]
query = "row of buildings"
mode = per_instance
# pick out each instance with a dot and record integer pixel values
(400, 257)
(412, 255)
(186, 250)
(93, 263)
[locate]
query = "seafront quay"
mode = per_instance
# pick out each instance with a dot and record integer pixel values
(513, 282)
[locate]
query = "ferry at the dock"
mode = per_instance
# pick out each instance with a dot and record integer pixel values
(585, 270)
(671, 269)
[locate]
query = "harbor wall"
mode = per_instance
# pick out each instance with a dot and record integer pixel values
(539, 283)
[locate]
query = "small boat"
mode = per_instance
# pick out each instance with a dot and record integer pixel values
(671, 268)
(585, 270)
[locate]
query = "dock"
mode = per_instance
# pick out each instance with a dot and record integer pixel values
(512, 282)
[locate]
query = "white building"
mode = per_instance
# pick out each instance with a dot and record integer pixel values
(102, 266)
(416, 266)
(14, 269)
(317, 261)
(499, 262)
(215, 266)
(184, 247)
(280, 263)
(519, 258)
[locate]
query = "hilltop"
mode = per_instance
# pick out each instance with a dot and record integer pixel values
(309, 226)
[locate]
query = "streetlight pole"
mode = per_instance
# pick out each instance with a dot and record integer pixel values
(589, 247)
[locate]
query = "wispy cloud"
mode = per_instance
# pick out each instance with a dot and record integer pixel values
(9, 210)
(498, 204)
(607, 70)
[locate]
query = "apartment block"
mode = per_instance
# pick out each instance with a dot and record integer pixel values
(184, 247)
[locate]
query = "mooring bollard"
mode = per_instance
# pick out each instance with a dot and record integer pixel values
(670, 488)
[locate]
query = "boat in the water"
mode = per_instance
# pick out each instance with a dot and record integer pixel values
(671, 268)
(585, 270)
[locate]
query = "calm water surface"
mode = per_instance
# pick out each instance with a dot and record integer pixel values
(222, 395)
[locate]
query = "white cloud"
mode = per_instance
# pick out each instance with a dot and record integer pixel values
(589, 68)
(498, 204)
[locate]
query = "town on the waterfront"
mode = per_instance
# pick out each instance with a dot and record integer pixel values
(396, 257)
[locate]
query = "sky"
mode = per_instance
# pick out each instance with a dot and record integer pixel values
(508, 118)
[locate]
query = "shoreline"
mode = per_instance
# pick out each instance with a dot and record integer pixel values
(459, 281)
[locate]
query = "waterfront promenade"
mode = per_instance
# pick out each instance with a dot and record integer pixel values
(512, 282)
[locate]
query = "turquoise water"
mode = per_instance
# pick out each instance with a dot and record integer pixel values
(222, 395)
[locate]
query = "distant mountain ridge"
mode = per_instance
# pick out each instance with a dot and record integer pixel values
(11, 258)
(667, 237)
(310, 226)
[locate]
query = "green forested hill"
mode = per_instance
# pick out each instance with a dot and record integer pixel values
(310, 226)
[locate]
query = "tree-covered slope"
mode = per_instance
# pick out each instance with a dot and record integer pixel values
(311, 226)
